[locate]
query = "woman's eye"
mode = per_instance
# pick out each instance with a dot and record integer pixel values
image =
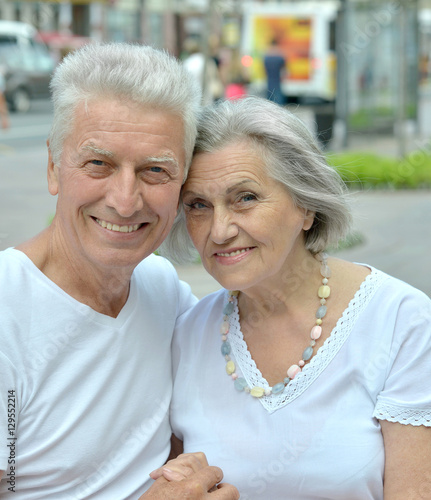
(195, 205)
(248, 197)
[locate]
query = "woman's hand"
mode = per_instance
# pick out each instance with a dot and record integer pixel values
(189, 477)
(181, 467)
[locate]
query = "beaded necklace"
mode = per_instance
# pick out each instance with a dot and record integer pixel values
(239, 382)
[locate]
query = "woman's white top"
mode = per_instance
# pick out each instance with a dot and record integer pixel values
(320, 438)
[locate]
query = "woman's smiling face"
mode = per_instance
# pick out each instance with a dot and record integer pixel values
(243, 223)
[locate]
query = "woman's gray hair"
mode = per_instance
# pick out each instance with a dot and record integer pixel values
(126, 72)
(292, 157)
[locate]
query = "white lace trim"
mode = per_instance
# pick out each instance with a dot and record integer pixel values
(408, 416)
(319, 361)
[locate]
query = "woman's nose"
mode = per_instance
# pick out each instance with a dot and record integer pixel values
(223, 226)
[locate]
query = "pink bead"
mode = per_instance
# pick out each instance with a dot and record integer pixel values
(293, 371)
(224, 327)
(234, 376)
(316, 332)
(301, 363)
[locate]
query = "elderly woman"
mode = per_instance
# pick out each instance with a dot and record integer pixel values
(307, 376)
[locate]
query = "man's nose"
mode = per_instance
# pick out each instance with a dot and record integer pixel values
(126, 193)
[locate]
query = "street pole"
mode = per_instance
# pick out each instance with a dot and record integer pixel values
(402, 75)
(342, 93)
(205, 41)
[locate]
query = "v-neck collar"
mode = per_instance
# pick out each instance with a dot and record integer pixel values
(78, 306)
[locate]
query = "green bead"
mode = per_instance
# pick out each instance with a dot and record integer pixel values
(228, 308)
(306, 355)
(240, 384)
(278, 388)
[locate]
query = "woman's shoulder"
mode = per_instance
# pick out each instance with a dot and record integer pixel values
(355, 284)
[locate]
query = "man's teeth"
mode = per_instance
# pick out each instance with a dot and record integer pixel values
(231, 254)
(116, 227)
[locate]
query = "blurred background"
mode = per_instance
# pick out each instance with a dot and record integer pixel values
(358, 73)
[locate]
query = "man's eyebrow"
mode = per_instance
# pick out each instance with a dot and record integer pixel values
(94, 149)
(166, 158)
(162, 159)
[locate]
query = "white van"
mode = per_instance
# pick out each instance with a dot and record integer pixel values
(26, 64)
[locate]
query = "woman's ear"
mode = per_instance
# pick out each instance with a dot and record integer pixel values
(308, 219)
(52, 174)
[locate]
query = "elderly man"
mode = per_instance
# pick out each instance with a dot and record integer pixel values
(87, 310)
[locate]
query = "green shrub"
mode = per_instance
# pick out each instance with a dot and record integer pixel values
(364, 170)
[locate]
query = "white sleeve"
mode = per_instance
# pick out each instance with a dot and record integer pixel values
(406, 395)
(186, 299)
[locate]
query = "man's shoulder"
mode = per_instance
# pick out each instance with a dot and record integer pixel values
(156, 272)
(10, 261)
(154, 264)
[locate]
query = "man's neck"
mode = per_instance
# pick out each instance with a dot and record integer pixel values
(105, 292)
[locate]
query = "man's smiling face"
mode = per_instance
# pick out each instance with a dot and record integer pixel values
(118, 184)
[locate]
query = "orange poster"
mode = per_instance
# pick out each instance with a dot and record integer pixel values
(293, 37)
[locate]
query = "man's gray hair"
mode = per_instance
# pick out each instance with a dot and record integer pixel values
(292, 157)
(125, 72)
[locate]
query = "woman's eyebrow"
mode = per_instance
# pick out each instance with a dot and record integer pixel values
(239, 184)
(189, 192)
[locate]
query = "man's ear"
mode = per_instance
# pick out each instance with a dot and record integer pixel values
(308, 220)
(52, 173)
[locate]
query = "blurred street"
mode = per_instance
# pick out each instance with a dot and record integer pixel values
(395, 225)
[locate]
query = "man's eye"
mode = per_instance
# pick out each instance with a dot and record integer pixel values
(98, 163)
(157, 170)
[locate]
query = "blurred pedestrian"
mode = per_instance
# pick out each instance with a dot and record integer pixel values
(236, 89)
(204, 70)
(275, 64)
(4, 114)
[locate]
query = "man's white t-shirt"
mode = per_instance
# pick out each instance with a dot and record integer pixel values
(84, 397)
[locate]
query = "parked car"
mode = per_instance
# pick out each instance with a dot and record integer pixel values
(26, 64)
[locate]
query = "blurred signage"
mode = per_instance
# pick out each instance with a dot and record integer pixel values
(179, 6)
(293, 37)
(302, 32)
(73, 2)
